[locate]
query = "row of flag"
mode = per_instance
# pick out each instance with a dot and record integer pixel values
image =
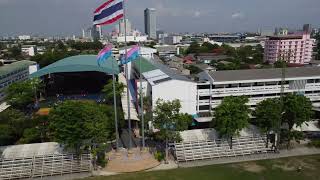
(106, 14)
(131, 55)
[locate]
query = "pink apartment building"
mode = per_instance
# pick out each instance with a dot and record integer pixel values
(295, 49)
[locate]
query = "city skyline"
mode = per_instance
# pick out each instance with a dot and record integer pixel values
(68, 17)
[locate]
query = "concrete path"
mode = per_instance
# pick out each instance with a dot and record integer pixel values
(171, 165)
(301, 151)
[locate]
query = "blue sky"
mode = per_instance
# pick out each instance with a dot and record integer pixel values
(66, 17)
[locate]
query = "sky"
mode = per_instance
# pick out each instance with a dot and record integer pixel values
(67, 17)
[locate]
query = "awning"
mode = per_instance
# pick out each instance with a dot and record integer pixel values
(81, 63)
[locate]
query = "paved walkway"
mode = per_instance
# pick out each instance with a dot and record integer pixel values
(171, 165)
(301, 151)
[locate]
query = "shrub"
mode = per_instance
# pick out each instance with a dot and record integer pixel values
(159, 156)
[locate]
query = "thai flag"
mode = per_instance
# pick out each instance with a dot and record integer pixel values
(104, 54)
(132, 55)
(109, 12)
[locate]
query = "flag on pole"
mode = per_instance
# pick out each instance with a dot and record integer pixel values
(132, 55)
(104, 54)
(109, 12)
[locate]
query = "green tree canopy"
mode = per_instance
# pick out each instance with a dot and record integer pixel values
(297, 110)
(231, 116)
(193, 48)
(81, 124)
(268, 115)
(108, 91)
(23, 93)
(12, 125)
(169, 120)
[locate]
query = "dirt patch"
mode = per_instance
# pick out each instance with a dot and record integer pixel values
(252, 167)
(294, 164)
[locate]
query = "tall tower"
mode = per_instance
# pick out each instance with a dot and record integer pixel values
(150, 23)
(121, 29)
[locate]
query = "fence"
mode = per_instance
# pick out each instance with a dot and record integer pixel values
(210, 149)
(45, 165)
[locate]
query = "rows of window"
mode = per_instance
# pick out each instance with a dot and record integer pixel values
(256, 84)
(12, 73)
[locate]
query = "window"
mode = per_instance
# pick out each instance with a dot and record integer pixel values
(218, 86)
(245, 85)
(204, 107)
(204, 86)
(204, 97)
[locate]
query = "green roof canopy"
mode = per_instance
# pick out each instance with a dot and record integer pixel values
(146, 66)
(81, 63)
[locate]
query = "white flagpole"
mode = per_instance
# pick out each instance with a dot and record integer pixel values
(127, 76)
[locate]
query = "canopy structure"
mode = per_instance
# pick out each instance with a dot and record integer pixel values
(80, 63)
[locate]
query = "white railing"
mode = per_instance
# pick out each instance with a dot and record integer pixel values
(42, 166)
(211, 149)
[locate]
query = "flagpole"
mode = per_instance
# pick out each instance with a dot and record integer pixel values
(141, 99)
(115, 107)
(127, 76)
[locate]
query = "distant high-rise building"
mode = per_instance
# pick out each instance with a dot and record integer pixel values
(150, 23)
(83, 34)
(120, 28)
(307, 28)
(94, 33)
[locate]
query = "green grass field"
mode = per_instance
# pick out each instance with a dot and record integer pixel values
(279, 169)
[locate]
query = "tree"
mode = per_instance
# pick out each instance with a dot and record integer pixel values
(268, 115)
(194, 69)
(15, 52)
(13, 124)
(231, 116)
(81, 125)
(168, 120)
(193, 48)
(297, 111)
(23, 93)
(108, 91)
(280, 64)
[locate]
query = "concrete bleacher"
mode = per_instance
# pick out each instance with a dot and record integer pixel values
(202, 144)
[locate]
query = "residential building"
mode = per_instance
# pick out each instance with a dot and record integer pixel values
(172, 39)
(14, 72)
(150, 23)
(121, 39)
(167, 50)
(29, 50)
(295, 49)
(257, 85)
(24, 37)
(158, 79)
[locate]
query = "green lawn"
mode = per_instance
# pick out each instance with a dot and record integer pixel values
(280, 169)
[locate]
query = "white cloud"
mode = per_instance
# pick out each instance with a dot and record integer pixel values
(238, 15)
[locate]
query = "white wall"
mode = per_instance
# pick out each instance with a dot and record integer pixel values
(185, 91)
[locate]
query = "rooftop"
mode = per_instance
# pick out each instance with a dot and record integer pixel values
(156, 73)
(4, 70)
(285, 37)
(253, 74)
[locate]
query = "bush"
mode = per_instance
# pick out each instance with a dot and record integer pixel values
(159, 156)
(314, 143)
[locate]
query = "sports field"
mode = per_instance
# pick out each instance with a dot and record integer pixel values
(294, 168)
